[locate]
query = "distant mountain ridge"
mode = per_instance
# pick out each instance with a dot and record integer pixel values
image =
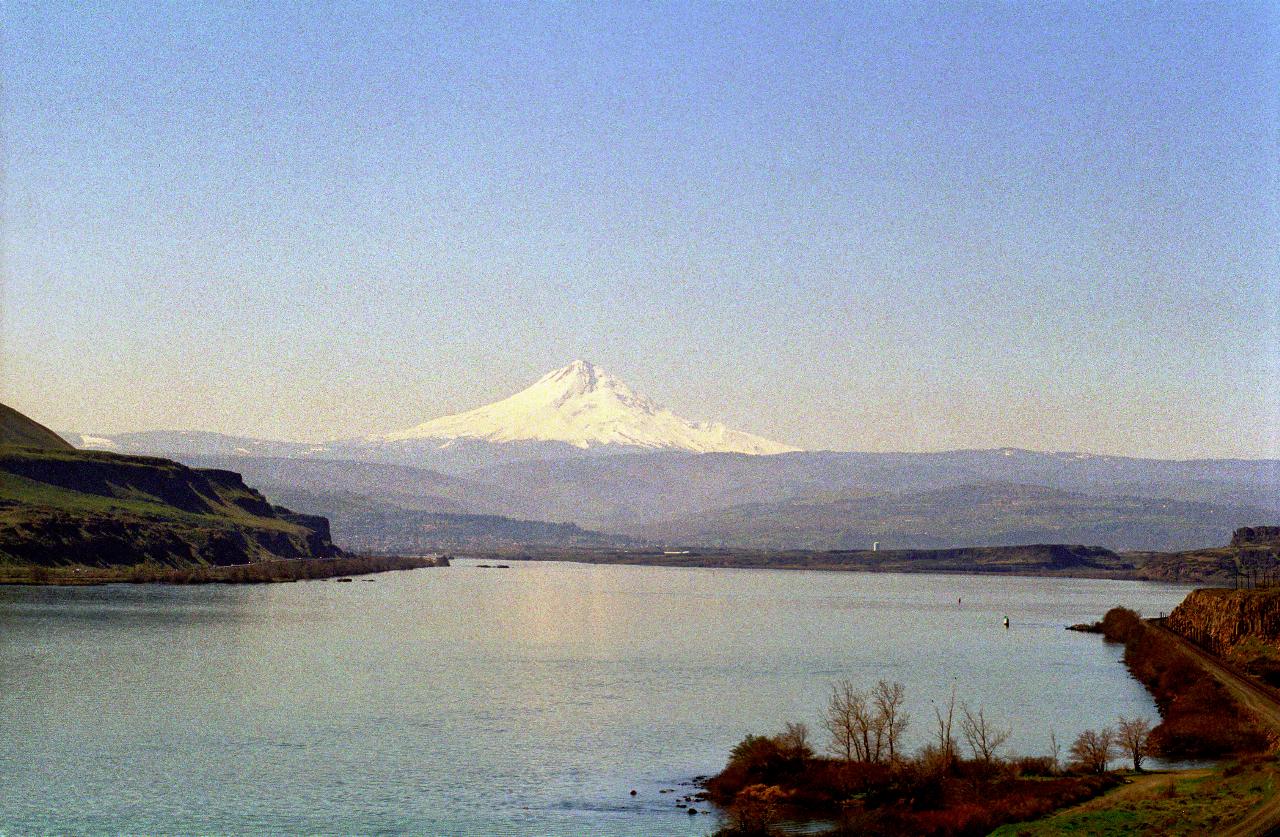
(821, 500)
(581, 447)
(630, 491)
(1003, 515)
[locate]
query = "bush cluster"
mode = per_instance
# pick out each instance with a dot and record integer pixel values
(936, 792)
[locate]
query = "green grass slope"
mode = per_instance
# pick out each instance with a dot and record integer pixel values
(18, 430)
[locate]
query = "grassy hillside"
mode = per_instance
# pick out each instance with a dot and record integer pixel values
(63, 506)
(20, 431)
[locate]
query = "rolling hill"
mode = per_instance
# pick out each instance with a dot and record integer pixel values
(19, 431)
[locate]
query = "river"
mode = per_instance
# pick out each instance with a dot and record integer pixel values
(528, 700)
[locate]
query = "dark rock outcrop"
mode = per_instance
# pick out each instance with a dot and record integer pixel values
(1256, 536)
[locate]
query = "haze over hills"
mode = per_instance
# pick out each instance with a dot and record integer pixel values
(797, 500)
(579, 446)
(399, 486)
(620, 491)
(990, 514)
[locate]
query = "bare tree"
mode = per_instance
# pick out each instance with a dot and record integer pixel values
(983, 737)
(844, 707)
(793, 741)
(870, 731)
(1132, 735)
(865, 727)
(946, 742)
(888, 699)
(1093, 749)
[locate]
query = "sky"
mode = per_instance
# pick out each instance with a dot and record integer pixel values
(897, 226)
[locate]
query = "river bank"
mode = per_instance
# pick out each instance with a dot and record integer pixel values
(1179, 803)
(260, 572)
(1251, 555)
(1209, 706)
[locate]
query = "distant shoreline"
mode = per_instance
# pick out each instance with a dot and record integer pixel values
(1249, 559)
(259, 572)
(884, 562)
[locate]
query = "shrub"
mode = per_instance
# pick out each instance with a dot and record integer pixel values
(755, 810)
(1200, 719)
(1034, 766)
(1120, 623)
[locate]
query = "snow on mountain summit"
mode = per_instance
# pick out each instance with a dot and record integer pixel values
(585, 406)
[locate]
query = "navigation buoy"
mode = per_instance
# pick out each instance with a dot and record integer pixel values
(1006, 622)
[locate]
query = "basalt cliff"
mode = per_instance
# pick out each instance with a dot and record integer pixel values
(1242, 622)
(1222, 619)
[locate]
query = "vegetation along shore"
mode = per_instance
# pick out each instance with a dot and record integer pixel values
(258, 572)
(964, 783)
(1252, 557)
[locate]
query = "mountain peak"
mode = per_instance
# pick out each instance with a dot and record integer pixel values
(581, 374)
(579, 368)
(585, 406)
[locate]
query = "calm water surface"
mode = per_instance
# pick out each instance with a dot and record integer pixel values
(479, 701)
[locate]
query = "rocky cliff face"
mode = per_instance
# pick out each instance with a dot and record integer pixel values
(1221, 620)
(1251, 559)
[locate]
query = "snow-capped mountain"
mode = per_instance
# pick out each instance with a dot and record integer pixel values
(584, 406)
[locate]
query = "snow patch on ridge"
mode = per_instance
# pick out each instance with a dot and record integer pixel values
(97, 443)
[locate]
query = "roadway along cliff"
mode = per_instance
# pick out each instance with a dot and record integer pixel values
(1261, 700)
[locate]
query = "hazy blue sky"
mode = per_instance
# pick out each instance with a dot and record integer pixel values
(866, 226)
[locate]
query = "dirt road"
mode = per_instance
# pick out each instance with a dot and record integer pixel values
(1263, 702)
